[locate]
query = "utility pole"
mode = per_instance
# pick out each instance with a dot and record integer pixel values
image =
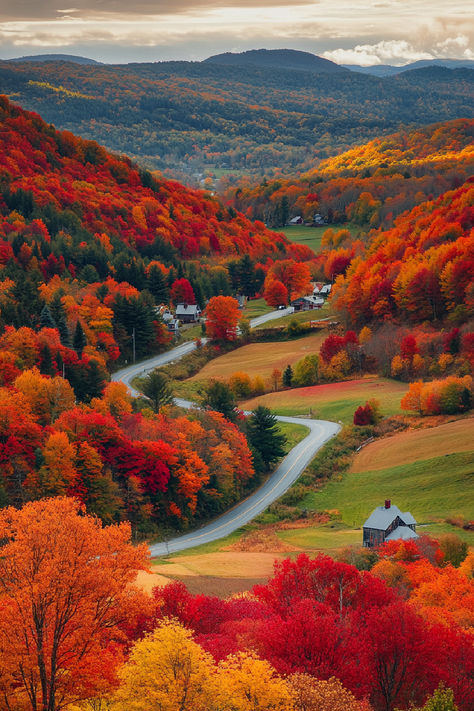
(133, 341)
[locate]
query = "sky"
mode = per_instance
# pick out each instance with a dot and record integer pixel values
(363, 32)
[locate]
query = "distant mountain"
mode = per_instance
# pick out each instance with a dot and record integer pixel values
(189, 117)
(386, 70)
(279, 58)
(54, 58)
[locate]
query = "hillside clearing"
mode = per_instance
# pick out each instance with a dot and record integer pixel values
(261, 358)
(415, 445)
(334, 401)
(431, 489)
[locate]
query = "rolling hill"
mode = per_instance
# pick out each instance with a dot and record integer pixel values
(188, 117)
(278, 59)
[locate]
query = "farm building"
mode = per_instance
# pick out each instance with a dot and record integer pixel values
(388, 523)
(307, 303)
(188, 313)
(298, 220)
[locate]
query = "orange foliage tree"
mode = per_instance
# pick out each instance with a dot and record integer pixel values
(66, 585)
(222, 315)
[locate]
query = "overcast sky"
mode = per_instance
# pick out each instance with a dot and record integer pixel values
(346, 31)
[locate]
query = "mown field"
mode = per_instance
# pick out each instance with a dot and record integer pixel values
(312, 236)
(261, 358)
(415, 445)
(334, 401)
(433, 489)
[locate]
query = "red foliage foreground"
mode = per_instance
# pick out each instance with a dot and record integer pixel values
(326, 618)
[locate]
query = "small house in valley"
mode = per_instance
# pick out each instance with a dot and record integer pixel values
(188, 313)
(307, 303)
(298, 220)
(388, 523)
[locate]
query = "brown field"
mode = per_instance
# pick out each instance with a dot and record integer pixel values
(261, 358)
(223, 573)
(148, 581)
(224, 564)
(416, 445)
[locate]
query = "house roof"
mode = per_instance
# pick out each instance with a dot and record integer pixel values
(295, 219)
(401, 533)
(186, 309)
(381, 518)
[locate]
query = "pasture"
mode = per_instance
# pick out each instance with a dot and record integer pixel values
(261, 358)
(432, 489)
(415, 445)
(334, 401)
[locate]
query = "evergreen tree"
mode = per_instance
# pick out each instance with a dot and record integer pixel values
(59, 314)
(264, 436)
(288, 376)
(218, 396)
(94, 381)
(157, 285)
(156, 388)
(46, 366)
(46, 318)
(80, 340)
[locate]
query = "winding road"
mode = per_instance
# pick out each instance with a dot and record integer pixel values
(291, 467)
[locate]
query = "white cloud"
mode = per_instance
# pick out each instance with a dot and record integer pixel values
(385, 52)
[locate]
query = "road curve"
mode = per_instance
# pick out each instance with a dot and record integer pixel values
(288, 471)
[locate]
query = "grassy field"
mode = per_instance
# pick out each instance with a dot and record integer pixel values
(312, 236)
(417, 445)
(256, 307)
(327, 538)
(334, 401)
(431, 489)
(300, 317)
(261, 358)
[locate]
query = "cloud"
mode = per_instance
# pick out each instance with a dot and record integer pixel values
(385, 52)
(51, 9)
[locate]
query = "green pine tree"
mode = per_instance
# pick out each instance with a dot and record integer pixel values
(156, 388)
(79, 340)
(288, 376)
(218, 396)
(265, 437)
(46, 318)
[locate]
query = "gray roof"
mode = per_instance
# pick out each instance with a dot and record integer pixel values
(187, 309)
(401, 533)
(381, 518)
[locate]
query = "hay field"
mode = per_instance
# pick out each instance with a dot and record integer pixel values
(415, 445)
(261, 358)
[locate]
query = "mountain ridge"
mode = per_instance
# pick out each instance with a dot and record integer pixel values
(278, 58)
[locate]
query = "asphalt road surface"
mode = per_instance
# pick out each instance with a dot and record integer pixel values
(291, 467)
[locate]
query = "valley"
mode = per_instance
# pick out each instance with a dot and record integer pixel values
(236, 403)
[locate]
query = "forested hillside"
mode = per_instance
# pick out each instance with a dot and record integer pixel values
(183, 117)
(369, 185)
(89, 245)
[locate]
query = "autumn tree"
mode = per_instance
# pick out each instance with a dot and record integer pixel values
(246, 683)
(222, 315)
(275, 293)
(324, 695)
(66, 585)
(167, 670)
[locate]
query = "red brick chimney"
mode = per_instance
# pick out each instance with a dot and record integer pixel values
(388, 503)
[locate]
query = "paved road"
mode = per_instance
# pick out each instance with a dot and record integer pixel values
(320, 431)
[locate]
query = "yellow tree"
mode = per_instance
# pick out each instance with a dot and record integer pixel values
(247, 683)
(66, 585)
(167, 671)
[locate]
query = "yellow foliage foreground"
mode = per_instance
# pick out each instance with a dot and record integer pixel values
(169, 671)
